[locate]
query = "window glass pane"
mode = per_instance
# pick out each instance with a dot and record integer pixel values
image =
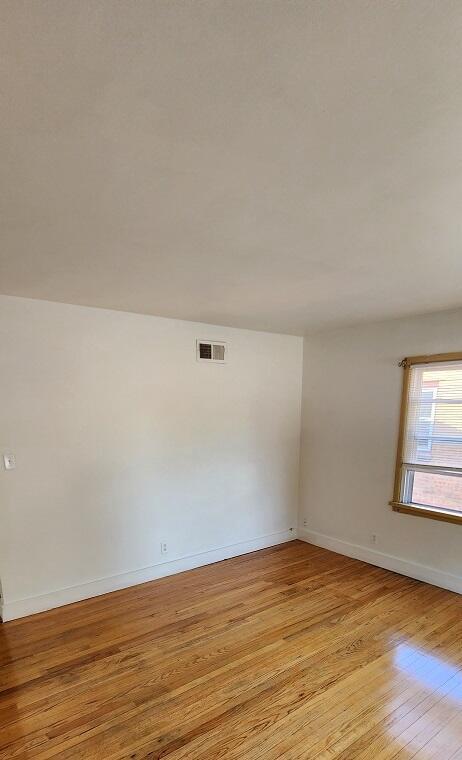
(434, 419)
(435, 490)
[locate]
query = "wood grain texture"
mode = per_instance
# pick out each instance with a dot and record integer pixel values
(291, 652)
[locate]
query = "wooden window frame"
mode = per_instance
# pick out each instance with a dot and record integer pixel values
(434, 513)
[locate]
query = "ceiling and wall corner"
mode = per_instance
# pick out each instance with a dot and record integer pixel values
(284, 167)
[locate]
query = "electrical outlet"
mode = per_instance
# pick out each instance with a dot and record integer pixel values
(9, 461)
(374, 538)
(163, 547)
(305, 522)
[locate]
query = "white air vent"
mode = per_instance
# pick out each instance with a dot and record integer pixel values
(210, 351)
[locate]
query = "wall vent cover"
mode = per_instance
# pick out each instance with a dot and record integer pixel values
(211, 351)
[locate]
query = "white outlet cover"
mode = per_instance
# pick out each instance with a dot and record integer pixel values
(9, 461)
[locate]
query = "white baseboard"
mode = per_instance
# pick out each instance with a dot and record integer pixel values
(387, 561)
(22, 607)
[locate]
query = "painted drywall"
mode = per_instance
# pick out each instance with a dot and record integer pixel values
(350, 415)
(123, 440)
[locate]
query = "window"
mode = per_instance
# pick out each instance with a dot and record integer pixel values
(428, 478)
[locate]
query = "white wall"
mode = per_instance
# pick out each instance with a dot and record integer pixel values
(351, 400)
(124, 440)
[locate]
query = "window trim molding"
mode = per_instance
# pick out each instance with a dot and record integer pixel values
(434, 513)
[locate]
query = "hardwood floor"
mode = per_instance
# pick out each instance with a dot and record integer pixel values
(291, 652)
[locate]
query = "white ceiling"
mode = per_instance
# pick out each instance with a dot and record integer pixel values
(274, 164)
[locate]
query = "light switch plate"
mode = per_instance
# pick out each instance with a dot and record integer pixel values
(9, 461)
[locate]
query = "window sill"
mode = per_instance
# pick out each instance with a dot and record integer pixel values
(444, 515)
